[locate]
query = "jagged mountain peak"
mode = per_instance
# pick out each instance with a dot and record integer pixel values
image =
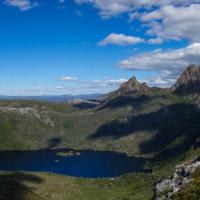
(189, 80)
(132, 86)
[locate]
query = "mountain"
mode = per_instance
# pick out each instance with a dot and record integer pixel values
(132, 86)
(52, 98)
(189, 80)
(159, 126)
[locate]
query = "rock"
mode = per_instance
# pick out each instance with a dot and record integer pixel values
(132, 86)
(189, 80)
(31, 112)
(180, 177)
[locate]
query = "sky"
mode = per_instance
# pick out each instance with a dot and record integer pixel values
(54, 47)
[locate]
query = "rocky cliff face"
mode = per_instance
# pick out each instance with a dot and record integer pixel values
(34, 113)
(181, 177)
(189, 80)
(130, 87)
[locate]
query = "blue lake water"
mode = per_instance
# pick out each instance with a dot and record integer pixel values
(91, 164)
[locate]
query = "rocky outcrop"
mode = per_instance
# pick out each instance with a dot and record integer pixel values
(132, 86)
(30, 112)
(180, 177)
(189, 80)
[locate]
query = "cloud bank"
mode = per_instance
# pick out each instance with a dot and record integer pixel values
(109, 8)
(22, 5)
(120, 39)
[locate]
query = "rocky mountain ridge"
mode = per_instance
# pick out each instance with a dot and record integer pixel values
(189, 80)
(132, 86)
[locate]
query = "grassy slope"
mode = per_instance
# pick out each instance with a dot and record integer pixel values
(154, 126)
(73, 127)
(37, 186)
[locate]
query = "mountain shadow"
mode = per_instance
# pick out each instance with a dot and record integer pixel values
(176, 128)
(53, 142)
(142, 122)
(12, 186)
(178, 133)
(136, 102)
(85, 105)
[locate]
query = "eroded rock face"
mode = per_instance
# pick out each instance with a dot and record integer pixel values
(130, 87)
(133, 86)
(31, 112)
(189, 80)
(180, 177)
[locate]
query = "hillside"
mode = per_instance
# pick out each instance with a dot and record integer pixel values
(117, 124)
(161, 125)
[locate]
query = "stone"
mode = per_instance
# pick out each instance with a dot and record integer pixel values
(189, 80)
(180, 177)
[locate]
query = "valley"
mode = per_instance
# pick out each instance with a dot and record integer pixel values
(159, 125)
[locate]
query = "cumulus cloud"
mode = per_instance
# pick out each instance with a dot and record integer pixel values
(81, 87)
(166, 19)
(108, 82)
(68, 78)
(23, 5)
(168, 62)
(120, 39)
(162, 80)
(170, 22)
(110, 8)
(164, 59)
(155, 41)
(59, 87)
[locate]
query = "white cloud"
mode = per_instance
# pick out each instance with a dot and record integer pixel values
(68, 78)
(155, 41)
(160, 81)
(166, 19)
(168, 62)
(174, 22)
(108, 82)
(110, 8)
(82, 87)
(23, 5)
(160, 59)
(155, 81)
(59, 87)
(120, 39)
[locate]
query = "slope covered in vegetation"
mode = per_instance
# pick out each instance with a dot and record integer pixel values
(161, 125)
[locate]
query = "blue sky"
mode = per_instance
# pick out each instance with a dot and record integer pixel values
(92, 46)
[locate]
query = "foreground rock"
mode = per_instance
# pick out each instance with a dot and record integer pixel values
(189, 80)
(181, 176)
(31, 112)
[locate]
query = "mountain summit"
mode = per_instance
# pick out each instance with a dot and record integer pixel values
(189, 80)
(130, 87)
(133, 86)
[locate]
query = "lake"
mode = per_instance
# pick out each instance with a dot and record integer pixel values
(92, 164)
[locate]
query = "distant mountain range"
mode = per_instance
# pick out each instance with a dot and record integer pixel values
(52, 98)
(188, 82)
